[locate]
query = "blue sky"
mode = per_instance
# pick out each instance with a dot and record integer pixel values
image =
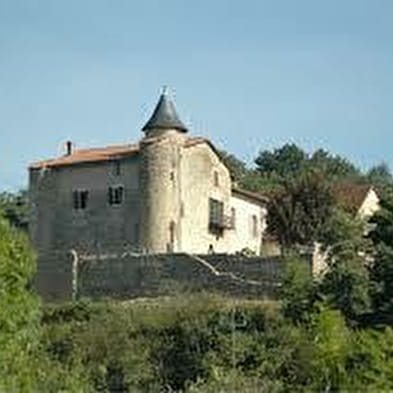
(248, 74)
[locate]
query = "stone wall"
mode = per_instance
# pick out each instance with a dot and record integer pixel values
(165, 274)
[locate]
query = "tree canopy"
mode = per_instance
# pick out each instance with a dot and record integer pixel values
(15, 208)
(290, 160)
(382, 267)
(301, 210)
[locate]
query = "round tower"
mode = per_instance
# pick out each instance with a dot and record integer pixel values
(160, 179)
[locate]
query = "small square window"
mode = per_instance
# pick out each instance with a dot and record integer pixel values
(115, 195)
(80, 199)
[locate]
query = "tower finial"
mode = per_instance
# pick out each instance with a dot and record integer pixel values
(164, 90)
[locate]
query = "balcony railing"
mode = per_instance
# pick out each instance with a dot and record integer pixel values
(221, 223)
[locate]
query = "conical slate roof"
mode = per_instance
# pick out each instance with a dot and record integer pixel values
(165, 116)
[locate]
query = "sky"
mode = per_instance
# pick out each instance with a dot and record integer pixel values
(248, 74)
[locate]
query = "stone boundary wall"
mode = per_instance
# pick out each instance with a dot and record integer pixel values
(154, 275)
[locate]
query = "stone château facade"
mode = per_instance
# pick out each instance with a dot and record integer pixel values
(168, 193)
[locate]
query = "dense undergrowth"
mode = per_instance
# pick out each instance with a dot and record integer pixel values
(207, 343)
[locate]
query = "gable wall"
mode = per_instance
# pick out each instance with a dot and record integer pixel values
(198, 165)
(242, 235)
(370, 205)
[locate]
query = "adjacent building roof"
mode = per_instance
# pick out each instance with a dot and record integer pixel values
(165, 116)
(352, 195)
(249, 195)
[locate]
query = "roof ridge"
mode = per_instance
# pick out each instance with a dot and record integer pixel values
(95, 154)
(108, 147)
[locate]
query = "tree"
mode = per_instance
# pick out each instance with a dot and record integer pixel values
(290, 160)
(24, 366)
(299, 213)
(298, 293)
(334, 167)
(19, 311)
(282, 162)
(346, 287)
(380, 175)
(382, 268)
(345, 284)
(332, 347)
(237, 168)
(15, 208)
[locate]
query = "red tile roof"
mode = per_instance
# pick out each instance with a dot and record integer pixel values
(80, 156)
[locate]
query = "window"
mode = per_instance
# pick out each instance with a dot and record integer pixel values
(233, 218)
(115, 195)
(254, 223)
(172, 228)
(79, 199)
(216, 180)
(116, 168)
(216, 214)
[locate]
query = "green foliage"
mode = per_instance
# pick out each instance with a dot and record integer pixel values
(346, 284)
(298, 293)
(382, 223)
(272, 168)
(382, 267)
(283, 162)
(300, 212)
(24, 366)
(371, 360)
(236, 167)
(334, 167)
(344, 237)
(15, 208)
(209, 344)
(19, 311)
(331, 341)
(382, 278)
(290, 160)
(380, 175)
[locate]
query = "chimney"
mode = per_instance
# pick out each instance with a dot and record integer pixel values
(68, 148)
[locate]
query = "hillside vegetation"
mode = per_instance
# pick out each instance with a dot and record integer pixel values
(328, 335)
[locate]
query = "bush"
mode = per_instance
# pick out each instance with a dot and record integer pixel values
(299, 292)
